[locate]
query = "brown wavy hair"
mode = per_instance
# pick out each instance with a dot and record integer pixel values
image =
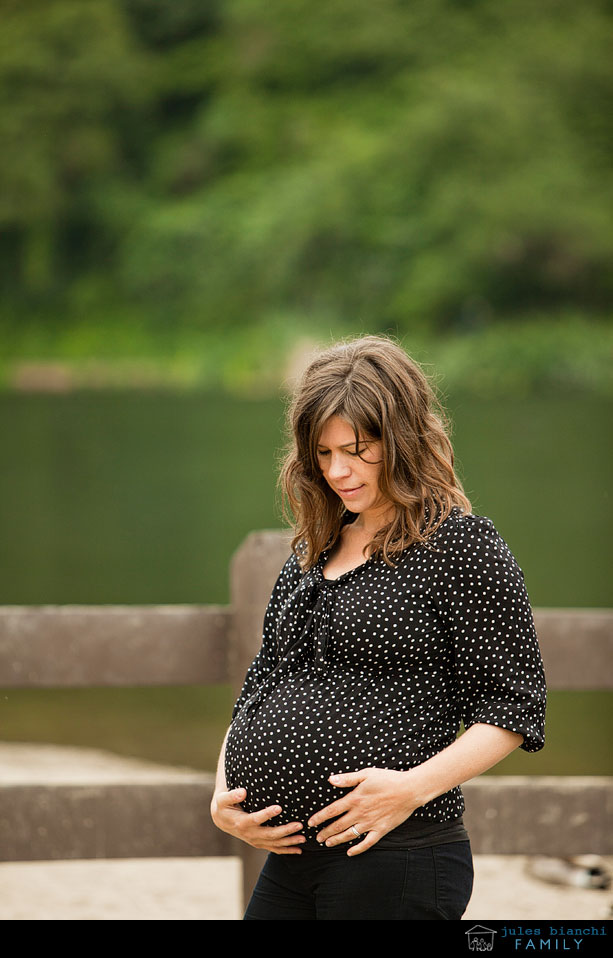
(372, 384)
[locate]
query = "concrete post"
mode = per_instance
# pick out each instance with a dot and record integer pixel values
(253, 573)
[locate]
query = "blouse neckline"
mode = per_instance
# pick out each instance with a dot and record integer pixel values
(323, 559)
(343, 574)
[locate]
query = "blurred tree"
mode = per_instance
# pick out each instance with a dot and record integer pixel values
(433, 164)
(425, 166)
(68, 72)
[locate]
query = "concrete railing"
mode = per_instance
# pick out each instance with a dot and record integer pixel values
(167, 815)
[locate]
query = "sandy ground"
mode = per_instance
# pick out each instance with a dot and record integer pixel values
(208, 889)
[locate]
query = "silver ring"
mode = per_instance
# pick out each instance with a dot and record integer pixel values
(355, 831)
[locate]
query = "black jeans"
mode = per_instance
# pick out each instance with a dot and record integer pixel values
(418, 884)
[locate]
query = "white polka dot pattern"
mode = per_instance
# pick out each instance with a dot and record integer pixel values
(378, 667)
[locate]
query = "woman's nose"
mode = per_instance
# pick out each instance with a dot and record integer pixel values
(339, 467)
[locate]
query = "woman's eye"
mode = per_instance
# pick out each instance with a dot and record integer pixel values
(350, 452)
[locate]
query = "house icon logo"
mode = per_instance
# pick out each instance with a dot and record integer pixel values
(480, 938)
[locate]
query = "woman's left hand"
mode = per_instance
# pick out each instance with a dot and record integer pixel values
(380, 800)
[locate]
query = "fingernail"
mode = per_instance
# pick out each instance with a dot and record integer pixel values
(319, 839)
(334, 779)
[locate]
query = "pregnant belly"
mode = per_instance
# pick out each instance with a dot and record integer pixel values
(284, 750)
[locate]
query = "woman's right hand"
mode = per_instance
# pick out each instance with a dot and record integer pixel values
(251, 827)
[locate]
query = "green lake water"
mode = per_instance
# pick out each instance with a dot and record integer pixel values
(138, 498)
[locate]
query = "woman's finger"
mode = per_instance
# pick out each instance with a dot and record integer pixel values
(291, 840)
(281, 831)
(262, 838)
(338, 807)
(370, 839)
(265, 814)
(336, 828)
(348, 779)
(346, 834)
(233, 797)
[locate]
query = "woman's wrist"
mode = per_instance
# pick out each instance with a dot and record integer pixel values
(419, 787)
(475, 751)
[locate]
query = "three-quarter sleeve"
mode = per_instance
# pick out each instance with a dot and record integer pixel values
(497, 664)
(268, 656)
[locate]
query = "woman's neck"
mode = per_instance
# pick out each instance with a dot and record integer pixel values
(367, 525)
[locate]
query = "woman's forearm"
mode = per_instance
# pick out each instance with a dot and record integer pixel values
(479, 748)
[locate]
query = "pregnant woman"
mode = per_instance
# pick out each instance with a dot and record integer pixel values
(398, 615)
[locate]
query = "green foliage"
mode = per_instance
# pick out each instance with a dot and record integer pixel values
(68, 72)
(427, 167)
(536, 354)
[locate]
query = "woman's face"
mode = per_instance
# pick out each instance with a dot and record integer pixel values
(354, 477)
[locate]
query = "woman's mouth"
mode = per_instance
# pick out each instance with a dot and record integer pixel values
(350, 492)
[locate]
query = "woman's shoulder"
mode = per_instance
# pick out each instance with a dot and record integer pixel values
(468, 556)
(460, 523)
(287, 581)
(465, 534)
(292, 570)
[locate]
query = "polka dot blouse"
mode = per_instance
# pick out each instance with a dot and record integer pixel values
(378, 667)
